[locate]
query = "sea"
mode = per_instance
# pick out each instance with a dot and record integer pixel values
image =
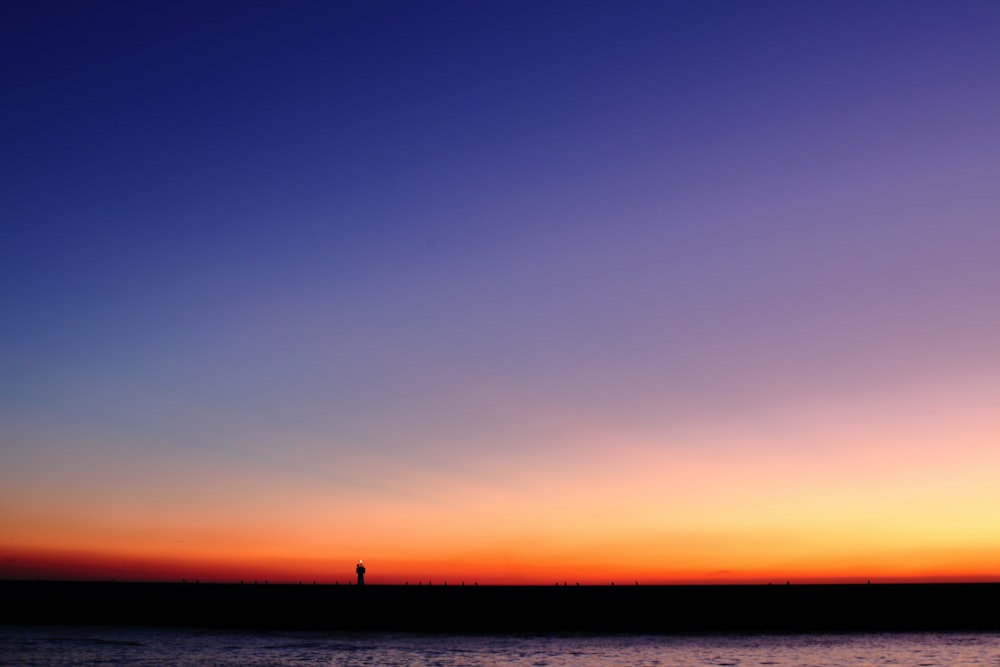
(50, 646)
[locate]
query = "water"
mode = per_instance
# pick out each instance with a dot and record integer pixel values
(64, 646)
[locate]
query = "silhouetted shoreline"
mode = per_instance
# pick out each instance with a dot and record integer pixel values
(494, 609)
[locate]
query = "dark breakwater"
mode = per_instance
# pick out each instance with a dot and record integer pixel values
(491, 609)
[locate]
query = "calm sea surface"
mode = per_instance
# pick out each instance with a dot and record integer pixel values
(49, 646)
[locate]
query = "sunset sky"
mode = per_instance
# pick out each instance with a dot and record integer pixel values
(501, 291)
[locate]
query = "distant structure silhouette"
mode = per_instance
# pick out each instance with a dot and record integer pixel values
(360, 569)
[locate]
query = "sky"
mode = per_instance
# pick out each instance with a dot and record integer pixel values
(500, 291)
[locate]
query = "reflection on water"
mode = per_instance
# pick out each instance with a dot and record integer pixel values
(50, 646)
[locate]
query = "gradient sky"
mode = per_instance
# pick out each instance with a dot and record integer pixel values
(502, 291)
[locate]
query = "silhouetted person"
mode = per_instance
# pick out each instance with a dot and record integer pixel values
(360, 569)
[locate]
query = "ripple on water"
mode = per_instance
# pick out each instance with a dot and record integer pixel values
(145, 647)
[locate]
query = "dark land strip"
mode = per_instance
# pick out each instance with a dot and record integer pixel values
(499, 609)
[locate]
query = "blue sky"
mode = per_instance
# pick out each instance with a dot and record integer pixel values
(355, 244)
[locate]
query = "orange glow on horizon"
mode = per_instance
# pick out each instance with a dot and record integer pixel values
(55, 565)
(880, 498)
